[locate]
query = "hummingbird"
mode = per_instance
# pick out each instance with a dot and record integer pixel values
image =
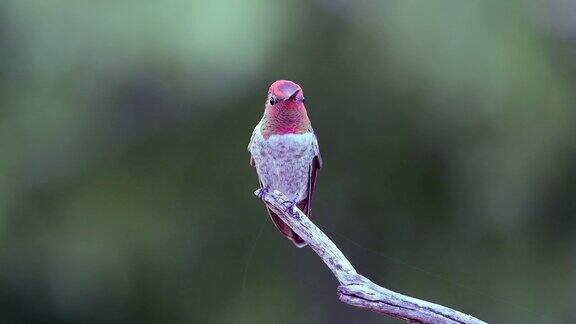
(284, 150)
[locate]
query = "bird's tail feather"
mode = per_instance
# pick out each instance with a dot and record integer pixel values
(285, 229)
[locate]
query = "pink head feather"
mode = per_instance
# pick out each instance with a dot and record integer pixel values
(285, 112)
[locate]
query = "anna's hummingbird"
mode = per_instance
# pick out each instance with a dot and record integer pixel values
(285, 152)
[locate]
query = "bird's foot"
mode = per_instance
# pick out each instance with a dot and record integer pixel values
(263, 191)
(289, 204)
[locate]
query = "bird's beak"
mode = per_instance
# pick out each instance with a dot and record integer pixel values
(293, 95)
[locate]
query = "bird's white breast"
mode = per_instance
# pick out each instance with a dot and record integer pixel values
(283, 161)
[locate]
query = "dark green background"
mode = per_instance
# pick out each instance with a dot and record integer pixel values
(446, 128)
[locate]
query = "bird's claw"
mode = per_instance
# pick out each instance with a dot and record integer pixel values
(289, 204)
(263, 191)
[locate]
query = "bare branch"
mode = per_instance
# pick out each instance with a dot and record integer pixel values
(354, 288)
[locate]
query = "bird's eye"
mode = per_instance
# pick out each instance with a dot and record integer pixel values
(303, 99)
(273, 101)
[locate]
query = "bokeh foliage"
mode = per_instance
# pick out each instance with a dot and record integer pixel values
(446, 127)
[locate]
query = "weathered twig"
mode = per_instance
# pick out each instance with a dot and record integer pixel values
(354, 288)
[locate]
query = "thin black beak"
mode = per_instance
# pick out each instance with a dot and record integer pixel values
(293, 95)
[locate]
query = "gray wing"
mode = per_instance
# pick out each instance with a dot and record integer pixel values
(316, 164)
(252, 162)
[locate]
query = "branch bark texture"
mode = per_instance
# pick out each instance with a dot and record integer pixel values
(355, 289)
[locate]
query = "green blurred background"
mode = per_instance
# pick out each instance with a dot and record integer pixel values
(446, 128)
